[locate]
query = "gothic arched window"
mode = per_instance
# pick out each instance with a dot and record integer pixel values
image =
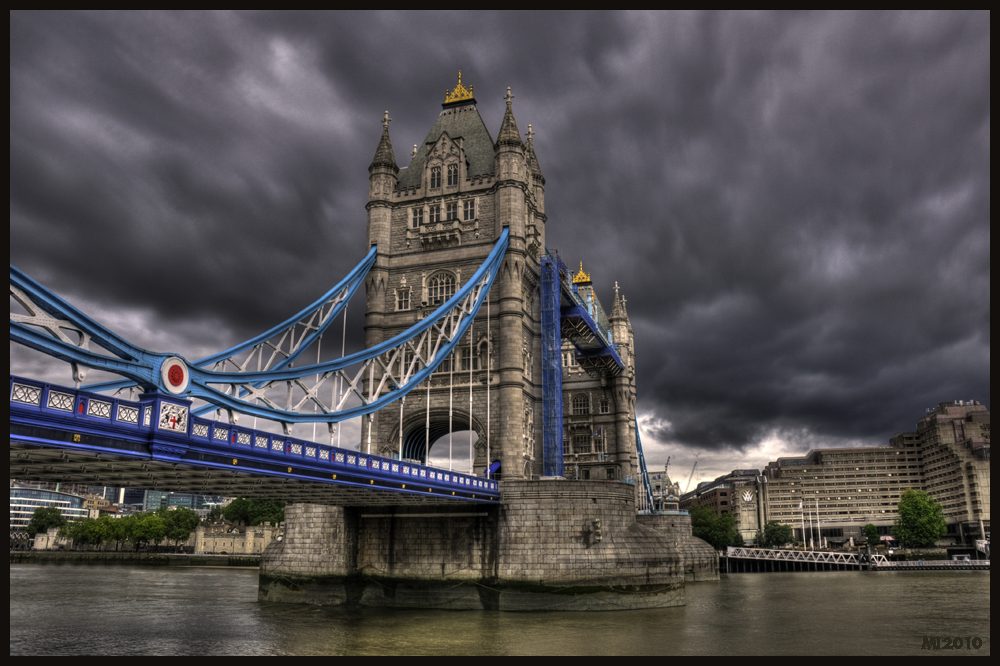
(468, 358)
(440, 287)
(435, 176)
(453, 174)
(581, 405)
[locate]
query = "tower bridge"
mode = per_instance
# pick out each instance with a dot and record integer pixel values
(472, 326)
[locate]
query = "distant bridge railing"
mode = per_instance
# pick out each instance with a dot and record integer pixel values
(816, 556)
(878, 562)
(937, 564)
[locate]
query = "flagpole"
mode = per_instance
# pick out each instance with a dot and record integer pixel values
(802, 524)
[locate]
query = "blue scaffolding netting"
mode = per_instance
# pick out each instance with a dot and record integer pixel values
(552, 417)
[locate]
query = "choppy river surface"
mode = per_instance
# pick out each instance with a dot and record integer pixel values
(84, 610)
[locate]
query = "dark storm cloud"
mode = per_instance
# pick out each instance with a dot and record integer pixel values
(795, 205)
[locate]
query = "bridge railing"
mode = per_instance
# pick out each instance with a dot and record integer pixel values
(79, 411)
(799, 556)
(946, 564)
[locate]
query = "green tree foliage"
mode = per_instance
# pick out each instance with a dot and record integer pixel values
(143, 528)
(215, 513)
(43, 518)
(86, 532)
(774, 535)
(719, 531)
(117, 530)
(254, 511)
(871, 535)
(179, 523)
(921, 520)
(139, 528)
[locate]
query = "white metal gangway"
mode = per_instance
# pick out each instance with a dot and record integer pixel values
(816, 556)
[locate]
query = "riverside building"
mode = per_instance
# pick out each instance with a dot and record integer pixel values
(828, 495)
(25, 499)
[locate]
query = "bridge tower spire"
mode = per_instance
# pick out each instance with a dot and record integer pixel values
(382, 181)
(624, 385)
(511, 201)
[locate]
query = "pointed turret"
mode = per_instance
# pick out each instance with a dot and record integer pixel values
(509, 151)
(618, 309)
(382, 180)
(509, 134)
(384, 156)
(532, 159)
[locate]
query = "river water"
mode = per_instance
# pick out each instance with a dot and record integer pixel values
(87, 609)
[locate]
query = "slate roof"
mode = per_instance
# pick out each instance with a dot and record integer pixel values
(458, 120)
(509, 133)
(383, 154)
(532, 159)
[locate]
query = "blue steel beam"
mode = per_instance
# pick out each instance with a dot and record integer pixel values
(170, 373)
(160, 428)
(596, 351)
(339, 296)
(646, 492)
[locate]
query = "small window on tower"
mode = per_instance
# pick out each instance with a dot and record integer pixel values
(605, 406)
(435, 177)
(403, 299)
(435, 214)
(418, 218)
(470, 209)
(452, 211)
(581, 405)
(452, 174)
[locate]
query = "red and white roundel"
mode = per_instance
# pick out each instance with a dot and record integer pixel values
(175, 376)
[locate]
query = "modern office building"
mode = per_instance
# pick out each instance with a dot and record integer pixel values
(829, 495)
(953, 441)
(25, 499)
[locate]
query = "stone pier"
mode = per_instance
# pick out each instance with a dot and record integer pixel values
(550, 545)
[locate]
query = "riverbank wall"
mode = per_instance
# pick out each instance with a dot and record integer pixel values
(132, 559)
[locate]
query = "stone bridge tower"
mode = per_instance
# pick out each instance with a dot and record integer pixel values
(434, 222)
(549, 543)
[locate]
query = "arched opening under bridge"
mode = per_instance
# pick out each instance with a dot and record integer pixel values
(415, 439)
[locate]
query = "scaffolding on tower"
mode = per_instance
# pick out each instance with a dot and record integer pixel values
(553, 270)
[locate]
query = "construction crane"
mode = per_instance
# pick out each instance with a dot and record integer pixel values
(691, 475)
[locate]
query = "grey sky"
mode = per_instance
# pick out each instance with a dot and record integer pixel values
(795, 205)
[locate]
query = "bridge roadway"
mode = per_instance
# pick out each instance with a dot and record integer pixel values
(74, 436)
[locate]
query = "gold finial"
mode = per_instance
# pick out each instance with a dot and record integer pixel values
(459, 93)
(581, 276)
